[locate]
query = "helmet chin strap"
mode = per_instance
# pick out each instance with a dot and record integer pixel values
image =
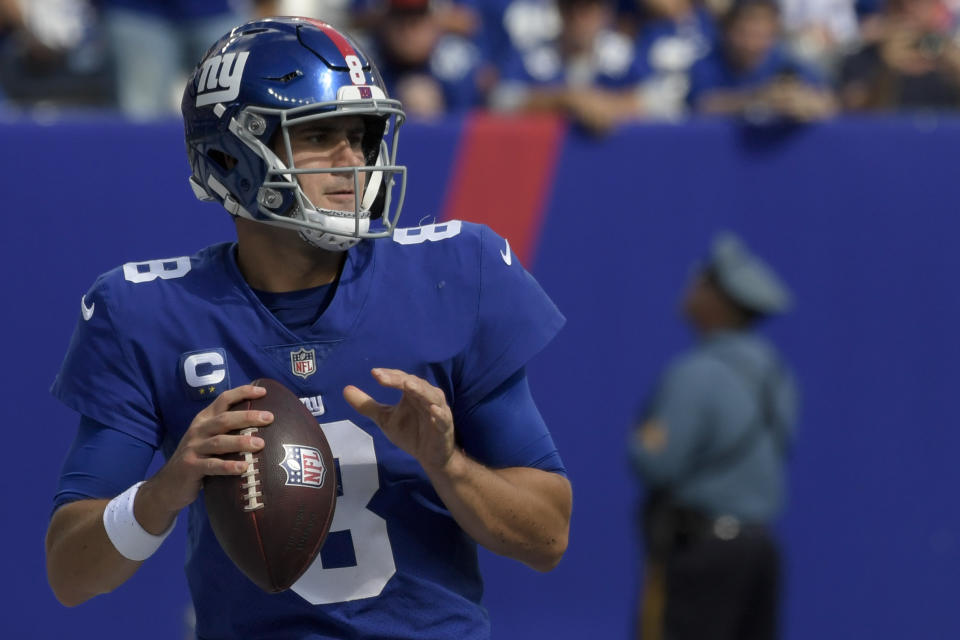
(341, 228)
(342, 224)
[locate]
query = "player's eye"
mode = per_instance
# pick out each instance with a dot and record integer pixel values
(355, 137)
(329, 138)
(319, 136)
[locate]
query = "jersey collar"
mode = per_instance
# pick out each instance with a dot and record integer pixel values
(343, 312)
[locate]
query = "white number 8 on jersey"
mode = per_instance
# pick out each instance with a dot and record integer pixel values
(359, 477)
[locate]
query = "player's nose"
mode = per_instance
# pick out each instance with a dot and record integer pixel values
(345, 154)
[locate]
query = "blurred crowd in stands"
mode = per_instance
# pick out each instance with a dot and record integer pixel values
(601, 62)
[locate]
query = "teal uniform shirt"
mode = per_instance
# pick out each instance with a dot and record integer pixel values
(728, 408)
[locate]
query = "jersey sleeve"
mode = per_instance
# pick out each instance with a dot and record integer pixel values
(505, 429)
(515, 320)
(101, 463)
(99, 377)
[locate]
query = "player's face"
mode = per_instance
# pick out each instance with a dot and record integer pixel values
(324, 144)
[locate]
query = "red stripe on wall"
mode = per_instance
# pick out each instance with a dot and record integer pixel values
(502, 176)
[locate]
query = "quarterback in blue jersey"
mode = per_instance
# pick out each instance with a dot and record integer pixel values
(289, 128)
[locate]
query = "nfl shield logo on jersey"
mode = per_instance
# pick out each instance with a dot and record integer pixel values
(303, 362)
(303, 466)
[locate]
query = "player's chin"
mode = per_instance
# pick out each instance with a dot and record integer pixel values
(339, 201)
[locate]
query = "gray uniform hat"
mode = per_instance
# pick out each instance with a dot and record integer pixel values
(746, 278)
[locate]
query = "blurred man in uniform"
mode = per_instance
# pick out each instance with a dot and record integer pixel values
(710, 447)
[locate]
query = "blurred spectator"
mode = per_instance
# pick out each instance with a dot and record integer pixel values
(155, 44)
(710, 446)
(431, 71)
(752, 75)
(588, 72)
(11, 23)
(820, 32)
(50, 54)
(458, 17)
(913, 61)
(11, 15)
(335, 12)
(871, 18)
(511, 26)
(674, 35)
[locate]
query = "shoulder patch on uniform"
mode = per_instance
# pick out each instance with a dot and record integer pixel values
(204, 373)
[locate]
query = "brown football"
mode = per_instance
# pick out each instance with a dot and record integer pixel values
(272, 520)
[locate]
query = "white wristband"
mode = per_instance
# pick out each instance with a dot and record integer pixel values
(128, 537)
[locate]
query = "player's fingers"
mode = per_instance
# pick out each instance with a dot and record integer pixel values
(392, 378)
(424, 391)
(231, 397)
(442, 416)
(224, 443)
(234, 421)
(414, 386)
(364, 404)
(441, 420)
(220, 467)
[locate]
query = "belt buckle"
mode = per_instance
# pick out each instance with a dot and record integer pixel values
(726, 527)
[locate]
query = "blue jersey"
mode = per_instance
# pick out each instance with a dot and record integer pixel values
(667, 46)
(715, 72)
(159, 340)
(612, 64)
(454, 64)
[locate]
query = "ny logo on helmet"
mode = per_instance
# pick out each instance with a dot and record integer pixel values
(220, 78)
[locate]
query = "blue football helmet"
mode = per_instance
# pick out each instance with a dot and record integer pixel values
(248, 90)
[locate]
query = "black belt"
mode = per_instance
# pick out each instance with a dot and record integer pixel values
(672, 526)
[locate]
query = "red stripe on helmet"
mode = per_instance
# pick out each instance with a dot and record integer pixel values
(342, 44)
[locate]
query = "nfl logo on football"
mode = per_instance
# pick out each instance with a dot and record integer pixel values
(303, 466)
(303, 362)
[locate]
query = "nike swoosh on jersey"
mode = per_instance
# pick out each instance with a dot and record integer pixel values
(86, 311)
(507, 258)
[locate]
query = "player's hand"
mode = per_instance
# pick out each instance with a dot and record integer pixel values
(178, 482)
(900, 52)
(593, 109)
(421, 423)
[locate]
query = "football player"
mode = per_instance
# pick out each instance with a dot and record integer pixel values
(289, 128)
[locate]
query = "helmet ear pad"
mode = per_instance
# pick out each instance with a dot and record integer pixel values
(375, 193)
(375, 152)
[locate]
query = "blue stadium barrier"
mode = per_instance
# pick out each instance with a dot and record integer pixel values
(858, 215)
